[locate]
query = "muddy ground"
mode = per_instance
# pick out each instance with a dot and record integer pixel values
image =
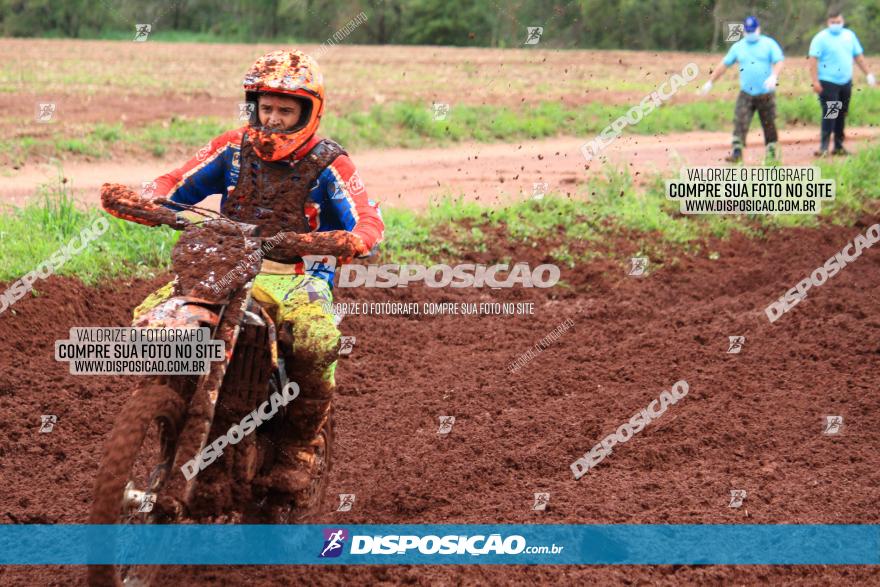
(751, 421)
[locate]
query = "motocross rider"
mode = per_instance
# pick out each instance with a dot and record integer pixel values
(261, 171)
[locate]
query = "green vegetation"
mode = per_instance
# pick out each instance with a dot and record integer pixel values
(679, 25)
(101, 140)
(413, 126)
(572, 230)
(31, 234)
(451, 228)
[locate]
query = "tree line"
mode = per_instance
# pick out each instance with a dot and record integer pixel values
(680, 25)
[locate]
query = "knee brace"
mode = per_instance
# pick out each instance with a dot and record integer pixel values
(312, 336)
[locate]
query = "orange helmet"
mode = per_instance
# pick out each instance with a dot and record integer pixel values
(289, 73)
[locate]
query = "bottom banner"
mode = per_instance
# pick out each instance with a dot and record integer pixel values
(641, 544)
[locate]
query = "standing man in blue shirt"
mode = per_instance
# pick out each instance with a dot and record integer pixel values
(760, 62)
(832, 51)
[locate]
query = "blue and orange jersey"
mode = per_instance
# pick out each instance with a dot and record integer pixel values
(338, 201)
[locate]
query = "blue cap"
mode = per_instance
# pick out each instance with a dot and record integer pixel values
(751, 24)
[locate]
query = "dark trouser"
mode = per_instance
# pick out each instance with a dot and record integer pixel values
(746, 105)
(835, 120)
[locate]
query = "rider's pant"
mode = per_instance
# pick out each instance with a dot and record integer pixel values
(299, 306)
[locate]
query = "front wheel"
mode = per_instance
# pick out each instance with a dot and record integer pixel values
(138, 460)
(308, 502)
(303, 505)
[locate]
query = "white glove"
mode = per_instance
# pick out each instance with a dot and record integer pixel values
(872, 81)
(706, 87)
(770, 83)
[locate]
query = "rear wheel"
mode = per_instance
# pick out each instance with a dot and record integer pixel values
(137, 462)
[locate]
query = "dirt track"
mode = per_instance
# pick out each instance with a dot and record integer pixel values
(488, 173)
(751, 421)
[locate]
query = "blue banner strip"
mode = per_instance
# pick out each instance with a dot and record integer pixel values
(624, 544)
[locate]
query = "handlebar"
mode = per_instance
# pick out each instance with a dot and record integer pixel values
(122, 202)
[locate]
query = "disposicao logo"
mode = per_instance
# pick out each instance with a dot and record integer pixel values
(334, 539)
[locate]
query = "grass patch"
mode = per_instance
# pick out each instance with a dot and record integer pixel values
(410, 125)
(448, 231)
(101, 140)
(32, 234)
(605, 208)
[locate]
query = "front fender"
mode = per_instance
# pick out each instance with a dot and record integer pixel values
(177, 313)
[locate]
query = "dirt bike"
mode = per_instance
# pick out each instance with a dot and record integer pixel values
(168, 420)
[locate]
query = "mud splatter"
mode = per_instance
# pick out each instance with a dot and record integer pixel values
(211, 254)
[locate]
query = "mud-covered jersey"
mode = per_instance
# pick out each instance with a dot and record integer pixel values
(337, 201)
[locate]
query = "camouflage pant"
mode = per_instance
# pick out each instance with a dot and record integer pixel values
(297, 303)
(746, 105)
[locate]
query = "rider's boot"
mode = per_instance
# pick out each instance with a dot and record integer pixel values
(736, 151)
(301, 445)
(309, 342)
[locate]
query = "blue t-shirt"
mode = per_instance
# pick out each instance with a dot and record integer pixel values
(755, 62)
(835, 55)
